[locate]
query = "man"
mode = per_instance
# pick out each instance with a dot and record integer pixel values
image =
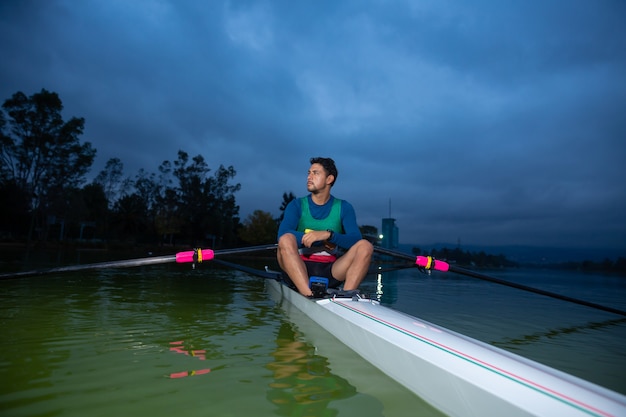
(314, 228)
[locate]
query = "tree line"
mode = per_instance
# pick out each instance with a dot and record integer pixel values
(482, 259)
(458, 256)
(46, 196)
(617, 266)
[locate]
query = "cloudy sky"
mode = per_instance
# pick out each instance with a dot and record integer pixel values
(487, 122)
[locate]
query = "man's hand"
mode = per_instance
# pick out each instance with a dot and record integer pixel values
(314, 236)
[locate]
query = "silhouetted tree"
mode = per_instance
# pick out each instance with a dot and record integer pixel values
(129, 217)
(194, 205)
(96, 211)
(477, 259)
(111, 178)
(14, 210)
(259, 228)
(224, 209)
(147, 189)
(41, 153)
(194, 198)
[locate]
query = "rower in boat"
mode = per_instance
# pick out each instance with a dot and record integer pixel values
(315, 230)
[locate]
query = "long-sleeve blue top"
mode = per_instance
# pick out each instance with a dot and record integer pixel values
(350, 233)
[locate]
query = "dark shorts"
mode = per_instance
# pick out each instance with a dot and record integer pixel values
(318, 269)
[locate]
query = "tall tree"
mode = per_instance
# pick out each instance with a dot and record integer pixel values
(112, 181)
(129, 217)
(259, 228)
(96, 210)
(14, 210)
(113, 185)
(41, 153)
(224, 209)
(147, 190)
(166, 199)
(194, 205)
(194, 195)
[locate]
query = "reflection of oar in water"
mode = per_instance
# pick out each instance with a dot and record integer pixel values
(531, 338)
(195, 256)
(177, 347)
(430, 263)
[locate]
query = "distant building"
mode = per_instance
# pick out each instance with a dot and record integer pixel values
(389, 234)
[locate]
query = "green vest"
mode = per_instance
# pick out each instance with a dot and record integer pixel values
(331, 222)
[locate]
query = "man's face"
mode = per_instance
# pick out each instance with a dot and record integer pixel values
(317, 180)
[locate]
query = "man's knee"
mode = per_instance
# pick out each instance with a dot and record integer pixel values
(287, 244)
(366, 246)
(287, 247)
(287, 240)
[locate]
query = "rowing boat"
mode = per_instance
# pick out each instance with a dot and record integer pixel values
(456, 374)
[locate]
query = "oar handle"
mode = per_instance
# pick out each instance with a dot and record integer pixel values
(195, 256)
(428, 262)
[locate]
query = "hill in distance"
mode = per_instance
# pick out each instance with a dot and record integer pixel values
(529, 254)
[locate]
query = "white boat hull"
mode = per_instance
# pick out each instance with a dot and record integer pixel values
(456, 374)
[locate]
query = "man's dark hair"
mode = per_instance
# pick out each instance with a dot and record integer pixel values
(329, 166)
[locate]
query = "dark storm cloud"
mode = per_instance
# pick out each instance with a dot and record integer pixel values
(487, 122)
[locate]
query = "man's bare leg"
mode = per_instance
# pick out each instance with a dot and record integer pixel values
(352, 266)
(290, 262)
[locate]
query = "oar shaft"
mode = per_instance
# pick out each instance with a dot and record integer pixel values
(253, 271)
(467, 272)
(236, 251)
(536, 290)
(394, 253)
(206, 254)
(100, 265)
(444, 266)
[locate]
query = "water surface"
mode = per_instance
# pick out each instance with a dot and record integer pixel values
(167, 340)
(164, 341)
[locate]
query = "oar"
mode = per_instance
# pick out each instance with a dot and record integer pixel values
(267, 273)
(195, 256)
(430, 263)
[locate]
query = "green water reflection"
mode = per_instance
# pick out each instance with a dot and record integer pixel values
(163, 342)
(303, 384)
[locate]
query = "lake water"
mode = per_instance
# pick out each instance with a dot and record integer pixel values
(167, 340)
